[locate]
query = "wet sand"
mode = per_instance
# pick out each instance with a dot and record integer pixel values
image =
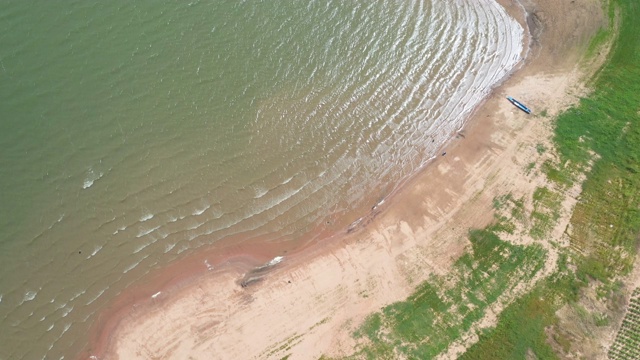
(227, 304)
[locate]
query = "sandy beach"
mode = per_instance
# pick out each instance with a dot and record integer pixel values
(249, 303)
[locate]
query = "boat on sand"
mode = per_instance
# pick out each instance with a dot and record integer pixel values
(519, 105)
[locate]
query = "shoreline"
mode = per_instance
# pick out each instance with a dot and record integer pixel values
(409, 207)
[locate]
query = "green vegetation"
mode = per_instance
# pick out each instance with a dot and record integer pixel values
(602, 36)
(530, 166)
(546, 212)
(607, 220)
(560, 176)
(443, 308)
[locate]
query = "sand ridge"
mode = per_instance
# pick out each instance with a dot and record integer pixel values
(309, 304)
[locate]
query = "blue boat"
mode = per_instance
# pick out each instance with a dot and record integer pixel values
(519, 105)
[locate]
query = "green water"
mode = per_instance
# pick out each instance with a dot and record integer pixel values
(136, 133)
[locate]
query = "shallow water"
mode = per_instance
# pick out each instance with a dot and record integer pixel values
(133, 134)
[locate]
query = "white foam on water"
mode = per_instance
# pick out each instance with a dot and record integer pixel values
(91, 177)
(76, 295)
(29, 295)
(67, 310)
(51, 327)
(66, 328)
(87, 184)
(197, 212)
(260, 192)
(146, 217)
(141, 247)
(134, 265)
(147, 232)
(121, 228)
(196, 225)
(182, 249)
(95, 250)
(168, 247)
(156, 294)
(56, 222)
(97, 296)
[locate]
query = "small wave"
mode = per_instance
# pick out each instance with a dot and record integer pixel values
(67, 310)
(141, 247)
(156, 294)
(97, 296)
(168, 247)
(95, 250)
(91, 177)
(260, 192)
(0, 298)
(66, 328)
(201, 211)
(121, 228)
(182, 249)
(51, 327)
(29, 295)
(56, 222)
(196, 225)
(146, 217)
(87, 184)
(78, 294)
(130, 267)
(147, 232)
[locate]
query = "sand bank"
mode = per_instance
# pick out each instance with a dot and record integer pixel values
(229, 306)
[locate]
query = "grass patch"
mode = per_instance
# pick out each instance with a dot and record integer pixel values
(443, 308)
(519, 331)
(530, 166)
(598, 41)
(546, 212)
(561, 176)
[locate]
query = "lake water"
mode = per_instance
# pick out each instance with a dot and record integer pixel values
(136, 133)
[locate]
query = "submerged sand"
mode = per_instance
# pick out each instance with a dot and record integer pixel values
(229, 306)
